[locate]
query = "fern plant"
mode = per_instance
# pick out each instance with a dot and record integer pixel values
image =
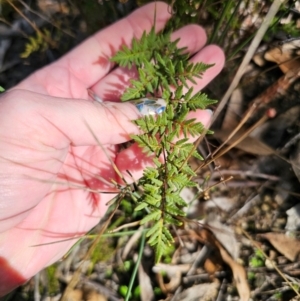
(161, 65)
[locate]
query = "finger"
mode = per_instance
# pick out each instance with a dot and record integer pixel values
(66, 121)
(132, 161)
(112, 86)
(192, 36)
(82, 67)
(90, 61)
(210, 54)
(37, 133)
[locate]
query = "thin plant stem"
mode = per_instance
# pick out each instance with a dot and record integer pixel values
(51, 42)
(91, 236)
(224, 151)
(141, 249)
(133, 224)
(255, 42)
(46, 19)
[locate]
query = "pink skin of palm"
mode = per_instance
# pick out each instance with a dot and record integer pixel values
(51, 165)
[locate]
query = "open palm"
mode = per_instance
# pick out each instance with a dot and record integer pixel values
(52, 168)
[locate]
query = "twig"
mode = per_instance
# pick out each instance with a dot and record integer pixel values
(247, 173)
(254, 44)
(271, 261)
(46, 19)
(220, 153)
(47, 39)
(128, 225)
(37, 295)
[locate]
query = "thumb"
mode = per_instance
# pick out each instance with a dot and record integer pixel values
(58, 122)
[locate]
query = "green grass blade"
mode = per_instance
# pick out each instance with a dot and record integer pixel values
(225, 12)
(142, 245)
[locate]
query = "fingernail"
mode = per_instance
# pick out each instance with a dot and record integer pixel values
(150, 105)
(94, 96)
(209, 111)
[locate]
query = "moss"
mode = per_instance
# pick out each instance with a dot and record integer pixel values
(103, 252)
(53, 283)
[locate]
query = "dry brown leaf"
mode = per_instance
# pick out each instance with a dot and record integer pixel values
(225, 235)
(249, 144)
(147, 292)
(52, 7)
(238, 271)
(284, 55)
(213, 264)
(131, 243)
(239, 275)
(174, 273)
(75, 295)
(233, 110)
(200, 292)
(94, 296)
(287, 246)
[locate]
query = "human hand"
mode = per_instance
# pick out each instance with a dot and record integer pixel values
(52, 169)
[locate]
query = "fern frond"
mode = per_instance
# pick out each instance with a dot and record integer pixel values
(199, 101)
(153, 216)
(161, 238)
(162, 64)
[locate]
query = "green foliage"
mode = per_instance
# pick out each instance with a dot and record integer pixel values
(251, 276)
(184, 11)
(123, 290)
(291, 29)
(36, 43)
(137, 292)
(157, 291)
(102, 252)
(278, 296)
(53, 283)
(257, 260)
(169, 254)
(161, 65)
(127, 265)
